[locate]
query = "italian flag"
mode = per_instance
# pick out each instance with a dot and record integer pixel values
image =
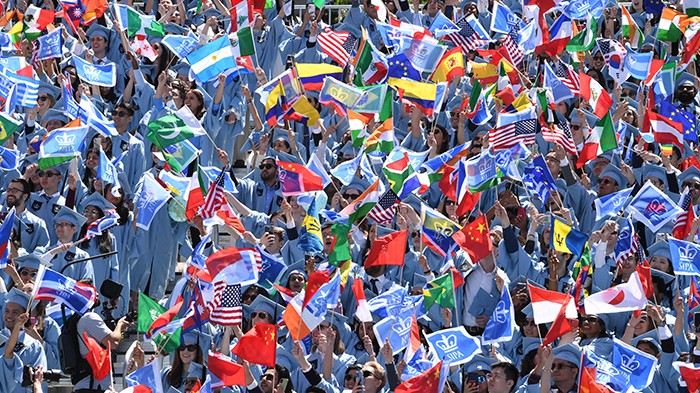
(631, 30)
(382, 139)
(601, 139)
(363, 204)
(135, 23)
(666, 131)
(358, 128)
(242, 42)
(691, 7)
(592, 91)
(670, 25)
(38, 18)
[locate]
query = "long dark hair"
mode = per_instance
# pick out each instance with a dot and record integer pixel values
(104, 241)
(175, 374)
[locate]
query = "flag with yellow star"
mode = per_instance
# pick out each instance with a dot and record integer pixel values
(474, 238)
(259, 345)
(428, 382)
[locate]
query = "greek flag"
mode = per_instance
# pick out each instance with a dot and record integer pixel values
(26, 89)
(180, 45)
(96, 74)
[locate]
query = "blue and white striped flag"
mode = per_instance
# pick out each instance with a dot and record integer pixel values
(638, 63)
(90, 116)
(50, 45)
(180, 45)
(212, 59)
(26, 89)
(107, 172)
(538, 179)
(10, 101)
(96, 74)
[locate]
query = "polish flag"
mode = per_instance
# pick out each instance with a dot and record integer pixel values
(624, 297)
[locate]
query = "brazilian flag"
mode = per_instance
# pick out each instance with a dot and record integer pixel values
(440, 291)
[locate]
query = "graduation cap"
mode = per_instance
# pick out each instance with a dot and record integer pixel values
(18, 297)
(527, 310)
(613, 172)
(98, 30)
(659, 249)
(648, 171)
(590, 118)
(54, 114)
(667, 278)
(569, 352)
(690, 174)
(340, 321)
(97, 200)
(195, 370)
(182, 68)
(685, 79)
(633, 104)
(50, 89)
(414, 201)
(211, 12)
(284, 358)
(282, 156)
(356, 184)
(347, 149)
(261, 303)
(650, 337)
(480, 363)
(29, 260)
(530, 344)
(190, 337)
(69, 215)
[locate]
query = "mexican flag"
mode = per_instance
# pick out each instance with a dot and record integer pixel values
(8, 126)
(242, 42)
(584, 40)
(358, 128)
(174, 128)
(370, 64)
(363, 204)
(691, 7)
(38, 18)
(670, 25)
(631, 30)
(135, 22)
(591, 90)
(601, 139)
(382, 138)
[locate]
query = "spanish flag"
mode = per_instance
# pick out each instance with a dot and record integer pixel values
(566, 239)
(451, 65)
(484, 72)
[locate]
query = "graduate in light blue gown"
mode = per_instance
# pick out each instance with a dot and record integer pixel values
(67, 224)
(30, 230)
(127, 148)
(126, 244)
(46, 203)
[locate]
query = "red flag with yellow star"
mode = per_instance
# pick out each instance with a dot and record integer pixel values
(428, 382)
(474, 238)
(259, 345)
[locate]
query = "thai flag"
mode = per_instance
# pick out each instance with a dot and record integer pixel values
(55, 287)
(5, 233)
(103, 224)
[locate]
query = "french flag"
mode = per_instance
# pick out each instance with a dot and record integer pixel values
(55, 287)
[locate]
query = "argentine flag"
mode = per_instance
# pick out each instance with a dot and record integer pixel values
(212, 59)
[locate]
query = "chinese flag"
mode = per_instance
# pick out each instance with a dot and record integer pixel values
(388, 250)
(589, 385)
(428, 382)
(691, 376)
(98, 358)
(475, 239)
(560, 327)
(226, 370)
(259, 345)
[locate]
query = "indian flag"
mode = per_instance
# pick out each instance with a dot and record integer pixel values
(135, 22)
(631, 30)
(8, 126)
(670, 25)
(174, 128)
(363, 204)
(691, 7)
(358, 128)
(382, 138)
(602, 139)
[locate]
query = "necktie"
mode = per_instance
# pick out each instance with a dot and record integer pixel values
(373, 284)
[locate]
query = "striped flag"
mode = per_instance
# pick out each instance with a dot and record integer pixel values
(362, 312)
(337, 45)
(514, 128)
(103, 224)
(567, 75)
(558, 132)
(226, 307)
(683, 221)
(54, 287)
(510, 41)
(215, 197)
(384, 211)
(26, 89)
(467, 37)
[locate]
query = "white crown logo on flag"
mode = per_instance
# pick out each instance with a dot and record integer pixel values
(447, 343)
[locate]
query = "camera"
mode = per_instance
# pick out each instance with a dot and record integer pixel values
(49, 376)
(111, 290)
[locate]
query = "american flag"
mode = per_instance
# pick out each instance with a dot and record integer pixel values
(337, 45)
(559, 133)
(568, 77)
(215, 197)
(466, 37)
(508, 135)
(682, 227)
(384, 211)
(511, 42)
(226, 308)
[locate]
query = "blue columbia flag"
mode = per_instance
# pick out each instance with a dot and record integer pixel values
(653, 208)
(454, 345)
(502, 323)
(611, 204)
(538, 179)
(96, 74)
(685, 257)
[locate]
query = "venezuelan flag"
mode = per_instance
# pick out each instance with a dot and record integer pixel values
(421, 94)
(312, 75)
(566, 239)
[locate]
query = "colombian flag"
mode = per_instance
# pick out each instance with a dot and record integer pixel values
(567, 239)
(312, 75)
(303, 112)
(420, 94)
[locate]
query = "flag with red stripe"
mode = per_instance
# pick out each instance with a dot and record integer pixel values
(226, 308)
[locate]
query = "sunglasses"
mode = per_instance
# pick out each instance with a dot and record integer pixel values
(559, 366)
(449, 202)
(414, 235)
(349, 377)
(692, 185)
(27, 273)
(43, 98)
(575, 127)
(351, 196)
(190, 347)
(266, 166)
(597, 58)
(47, 174)
(606, 180)
(590, 319)
(454, 114)
(527, 323)
(269, 377)
(121, 114)
(259, 314)
(368, 374)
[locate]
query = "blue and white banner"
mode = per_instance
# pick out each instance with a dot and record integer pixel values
(396, 328)
(180, 45)
(96, 74)
(501, 326)
(685, 257)
(50, 45)
(454, 346)
(152, 197)
(653, 208)
(611, 204)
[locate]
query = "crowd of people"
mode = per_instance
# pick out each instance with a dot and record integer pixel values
(447, 229)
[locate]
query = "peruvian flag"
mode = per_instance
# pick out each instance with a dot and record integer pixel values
(544, 301)
(666, 131)
(592, 91)
(629, 296)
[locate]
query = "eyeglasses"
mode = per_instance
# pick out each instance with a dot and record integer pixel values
(42, 98)
(606, 180)
(190, 347)
(368, 374)
(449, 202)
(559, 366)
(590, 319)
(15, 190)
(266, 166)
(692, 185)
(120, 114)
(598, 58)
(63, 225)
(351, 196)
(47, 174)
(454, 114)
(686, 87)
(529, 322)
(27, 273)
(269, 377)
(259, 314)
(575, 127)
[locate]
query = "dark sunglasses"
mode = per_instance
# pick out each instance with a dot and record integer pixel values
(454, 114)
(43, 98)
(606, 180)
(259, 314)
(190, 347)
(47, 174)
(269, 377)
(349, 377)
(27, 273)
(367, 374)
(121, 114)
(266, 166)
(559, 366)
(692, 185)
(449, 202)
(590, 319)
(351, 196)
(527, 323)
(597, 58)
(414, 234)
(575, 127)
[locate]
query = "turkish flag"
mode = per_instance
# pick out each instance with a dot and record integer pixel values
(98, 358)
(475, 239)
(259, 345)
(388, 250)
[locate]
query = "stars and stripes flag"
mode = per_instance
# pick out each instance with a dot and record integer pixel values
(568, 77)
(559, 132)
(683, 221)
(215, 197)
(384, 211)
(511, 42)
(226, 307)
(466, 37)
(337, 45)
(514, 128)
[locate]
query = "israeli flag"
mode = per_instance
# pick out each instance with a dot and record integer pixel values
(454, 346)
(502, 323)
(96, 74)
(611, 204)
(653, 208)
(685, 257)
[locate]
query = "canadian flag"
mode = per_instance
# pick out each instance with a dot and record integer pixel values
(624, 297)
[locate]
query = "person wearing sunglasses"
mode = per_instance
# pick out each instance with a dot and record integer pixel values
(685, 95)
(48, 94)
(560, 368)
(134, 159)
(47, 202)
(263, 310)
(187, 364)
(261, 191)
(474, 374)
(66, 225)
(31, 231)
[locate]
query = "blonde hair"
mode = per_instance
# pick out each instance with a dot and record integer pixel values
(378, 371)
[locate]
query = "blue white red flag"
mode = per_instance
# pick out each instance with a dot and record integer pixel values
(54, 287)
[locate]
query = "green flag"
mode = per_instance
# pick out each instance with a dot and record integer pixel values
(584, 40)
(174, 128)
(242, 42)
(341, 249)
(149, 310)
(8, 126)
(440, 291)
(138, 23)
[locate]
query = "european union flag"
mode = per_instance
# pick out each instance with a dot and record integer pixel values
(685, 257)
(502, 323)
(655, 7)
(538, 179)
(401, 67)
(653, 208)
(679, 115)
(454, 345)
